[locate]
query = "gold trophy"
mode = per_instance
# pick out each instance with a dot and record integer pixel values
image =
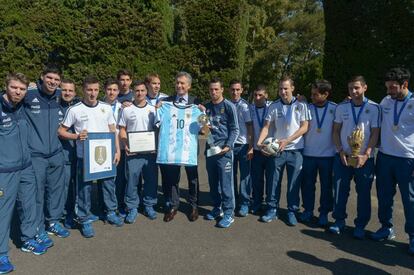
(355, 141)
(204, 121)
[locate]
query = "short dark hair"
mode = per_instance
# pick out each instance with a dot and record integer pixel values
(67, 81)
(122, 72)
(18, 77)
(91, 79)
(235, 81)
(398, 74)
(216, 80)
(52, 68)
(285, 78)
(323, 86)
(357, 78)
(138, 83)
(260, 87)
(150, 77)
(109, 82)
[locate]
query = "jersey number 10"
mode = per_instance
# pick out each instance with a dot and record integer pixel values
(180, 123)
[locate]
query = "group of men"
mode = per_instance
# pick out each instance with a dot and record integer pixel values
(44, 128)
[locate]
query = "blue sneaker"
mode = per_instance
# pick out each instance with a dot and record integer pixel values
(92, 218)
(132, 216)
(244, 210)
(337, 227)
(150, 212)
(87, 230)
(306, 216)
(44, 240)
(270, 215)
(114, 219)
(226, 221)
(57, 230)
(291, 218)
(411, 246)
(359, 233)
(5, 265)
(34, 247)
(384, 233)
(214, 214)
(323, 220)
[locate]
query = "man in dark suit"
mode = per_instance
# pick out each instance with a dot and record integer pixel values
(171, 173)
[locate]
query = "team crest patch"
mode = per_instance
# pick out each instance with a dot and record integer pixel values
(409, 106)
(1, 193)
(103, 110)
(100, 154)
(187, 115)
(331, 111)
(367, 111)
(222, 110)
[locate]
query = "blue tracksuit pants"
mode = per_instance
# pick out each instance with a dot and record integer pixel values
(220, 179)
(363, 178)
(17, 187)
(50, 180)
(83, 209)
(292, 160)
(241, 163)
(261, 167)
(145, 165)
(391, 170)
(311, 167)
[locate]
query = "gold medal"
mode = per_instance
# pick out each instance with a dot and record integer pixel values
(318, 130)
(395, 127)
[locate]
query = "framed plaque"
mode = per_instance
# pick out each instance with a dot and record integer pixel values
(141, 141)
(98, 155)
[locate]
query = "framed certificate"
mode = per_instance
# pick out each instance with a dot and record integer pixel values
(141, 142)
(98, 154)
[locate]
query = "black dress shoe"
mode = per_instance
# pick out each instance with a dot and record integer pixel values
(193, 215)
(169, 216)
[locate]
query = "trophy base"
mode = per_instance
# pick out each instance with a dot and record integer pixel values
(213, 151)
(352, 161)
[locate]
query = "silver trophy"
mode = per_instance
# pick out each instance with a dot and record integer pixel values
(204, 121)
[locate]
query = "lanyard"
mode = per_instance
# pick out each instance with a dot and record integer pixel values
(397, 115)
(320, 122)
(260, 120)
(354, 115)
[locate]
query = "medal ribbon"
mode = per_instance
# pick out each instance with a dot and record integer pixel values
(397, 115)
(354, 115)
(320, 122)
(260, 120)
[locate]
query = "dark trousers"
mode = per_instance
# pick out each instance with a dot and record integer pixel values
(170, 185)
(50, 198)
(391, 171)
(363, 178)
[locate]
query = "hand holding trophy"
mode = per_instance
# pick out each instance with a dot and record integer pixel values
(204, 121)
(355, 141)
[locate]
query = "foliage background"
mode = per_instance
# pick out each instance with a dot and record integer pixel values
(254, 40)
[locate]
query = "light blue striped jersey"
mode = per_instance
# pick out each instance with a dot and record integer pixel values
(178, 137)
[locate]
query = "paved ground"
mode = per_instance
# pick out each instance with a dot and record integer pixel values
(249, 246)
